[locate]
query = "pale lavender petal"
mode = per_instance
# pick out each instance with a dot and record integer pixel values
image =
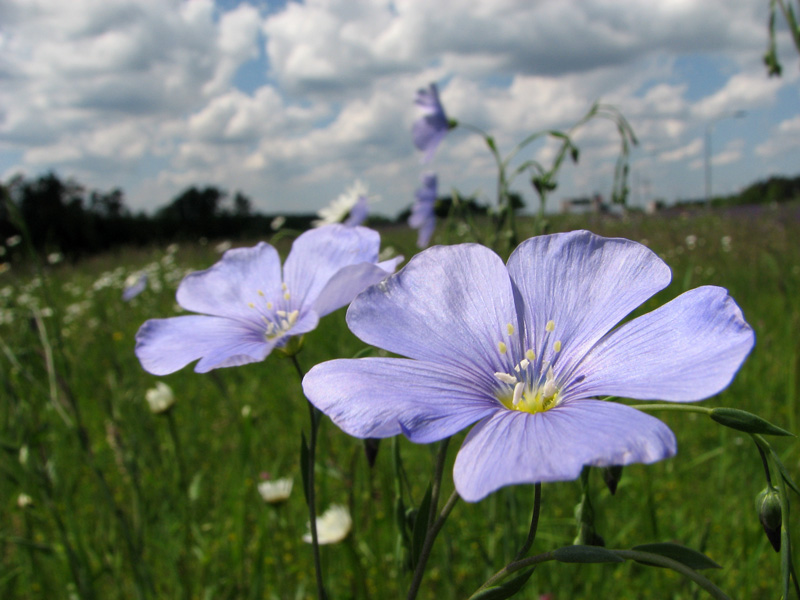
(515, 447)
(686, 350)
(382, 397)
(584, 283)
(430, 129)
(423, 217)
(227, 288)
(130, 292)
(359, 212)
(348, 282)
(318, 254)
(165, 345)
(449, 305)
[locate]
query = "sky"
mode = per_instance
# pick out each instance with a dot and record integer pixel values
(291, 102)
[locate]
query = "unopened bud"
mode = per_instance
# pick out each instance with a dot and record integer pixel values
(768, 505)
(611, 476)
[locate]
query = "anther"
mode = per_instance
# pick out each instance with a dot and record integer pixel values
(510, 329)
(557, 346)
(502, 347)
(551, 325)
(529, 354)
(251, 305)
(506, 378)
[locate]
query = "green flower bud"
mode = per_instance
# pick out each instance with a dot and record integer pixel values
(768, 505)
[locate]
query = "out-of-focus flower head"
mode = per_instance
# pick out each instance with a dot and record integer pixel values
(351, 207)
(160, 398)
(277, 491)
(523, 350)
(135, 284)
(423, 217)
(277, 223)
(333, 526)
(432, 126)
(249, 305)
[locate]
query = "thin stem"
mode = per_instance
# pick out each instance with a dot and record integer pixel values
(314, 415)
(537, 501)
(637, 555)
(183, 560)
(673, 407)
(427, 545)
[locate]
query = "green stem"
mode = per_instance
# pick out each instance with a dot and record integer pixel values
(314, 415)
(427, 546)
(183, 559)
(537, 501)
(637, 555)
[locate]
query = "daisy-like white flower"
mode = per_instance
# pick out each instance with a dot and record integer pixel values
(430, 129)
(423, 217)
(277, 491)
(351, 207)
(160, 398)
(249, 305)
(333, 526)
(134, 285)
(524, 351)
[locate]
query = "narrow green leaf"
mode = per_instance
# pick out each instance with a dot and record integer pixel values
(742, 420)
(420, 527)
(505, 590)
(686, 556)
(304, 464)
(585, 554)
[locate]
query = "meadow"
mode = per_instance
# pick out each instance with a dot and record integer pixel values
(101, 498)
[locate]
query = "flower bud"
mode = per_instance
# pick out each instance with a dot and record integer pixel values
(768, 505)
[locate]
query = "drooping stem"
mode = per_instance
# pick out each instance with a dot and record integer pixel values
(637, 555)
(537, 501)
(314, 415)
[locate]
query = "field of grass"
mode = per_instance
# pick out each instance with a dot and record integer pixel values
(101, 498)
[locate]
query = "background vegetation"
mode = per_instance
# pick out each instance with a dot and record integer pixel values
(103, 499)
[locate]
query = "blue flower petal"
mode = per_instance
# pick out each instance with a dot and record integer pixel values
(382, 397)
(318, 254)
(514, 447)
(348, 282)
(430, 129)
(686, 350)
(585, 284)
(227, 288)
(449, 305)
(165, 345)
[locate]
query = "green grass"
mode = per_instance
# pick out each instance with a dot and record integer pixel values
(109, 518)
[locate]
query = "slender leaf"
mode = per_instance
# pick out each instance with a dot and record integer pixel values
(686, 556)
(505, 590)
(742, 420)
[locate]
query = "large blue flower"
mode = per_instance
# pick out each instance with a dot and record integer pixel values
(423, 217)
(249, 307)
(429, 130)
(524, 350)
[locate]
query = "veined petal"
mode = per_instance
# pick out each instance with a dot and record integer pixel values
(585, 284)
(350, 281)
(382, 397)
(165, 345)
(686, 350)
(449, 305)
(318, 254)
(513, 447)
(227, 288)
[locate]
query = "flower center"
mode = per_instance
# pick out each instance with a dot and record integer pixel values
(277, 322)
(530, 386)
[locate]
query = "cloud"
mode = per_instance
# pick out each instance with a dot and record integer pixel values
(143, 93)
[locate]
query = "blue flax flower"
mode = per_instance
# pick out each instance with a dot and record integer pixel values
(523, 350)
(429, 130)
(249, 306)
(423, 218)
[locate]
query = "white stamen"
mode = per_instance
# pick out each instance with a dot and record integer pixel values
(518, 389)
(506, 378)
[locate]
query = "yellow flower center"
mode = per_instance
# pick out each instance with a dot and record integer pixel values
(530, 386)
